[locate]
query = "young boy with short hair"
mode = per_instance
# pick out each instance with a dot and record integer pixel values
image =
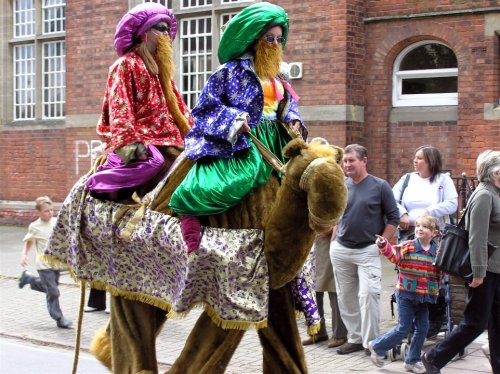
(418, 285)
(48, 281)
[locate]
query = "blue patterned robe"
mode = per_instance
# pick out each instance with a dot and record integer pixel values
(231, 92)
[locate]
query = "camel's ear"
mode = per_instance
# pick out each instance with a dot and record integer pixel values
(339, 153)
(294, 147)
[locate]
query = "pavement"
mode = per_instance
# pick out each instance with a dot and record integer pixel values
(24, 319)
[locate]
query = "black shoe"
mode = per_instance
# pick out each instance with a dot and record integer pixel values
(24, 279)
(64, 323)
(430, 368)
(349, 348)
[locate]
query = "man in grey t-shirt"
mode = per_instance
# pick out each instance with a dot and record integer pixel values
(371, 209)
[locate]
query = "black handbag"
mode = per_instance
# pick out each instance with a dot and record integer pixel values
(453, 255)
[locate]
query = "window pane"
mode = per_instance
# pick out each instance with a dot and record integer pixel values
(167, 3)
(24, 82)
(54, 88)
(429, 85)
(24, 18)
(429, 56)
(196, 55)
(225, 18)
(54, 18)
(195, 3)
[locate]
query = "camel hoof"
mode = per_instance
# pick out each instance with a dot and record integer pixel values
(100, 347)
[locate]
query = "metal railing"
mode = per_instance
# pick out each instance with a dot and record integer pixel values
(465, 187)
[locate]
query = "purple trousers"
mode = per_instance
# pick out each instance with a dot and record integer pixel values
(115, 175)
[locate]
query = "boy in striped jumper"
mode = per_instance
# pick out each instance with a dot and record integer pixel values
(418, 285)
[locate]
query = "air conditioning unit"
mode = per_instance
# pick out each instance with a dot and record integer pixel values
(296, 69)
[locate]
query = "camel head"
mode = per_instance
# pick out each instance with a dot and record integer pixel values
(311, 199)
(314, 168)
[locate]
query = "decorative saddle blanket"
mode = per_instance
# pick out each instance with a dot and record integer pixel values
(137, 253)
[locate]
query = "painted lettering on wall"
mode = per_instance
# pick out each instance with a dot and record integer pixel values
(85, 154)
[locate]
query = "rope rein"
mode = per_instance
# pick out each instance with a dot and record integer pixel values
(267, 155)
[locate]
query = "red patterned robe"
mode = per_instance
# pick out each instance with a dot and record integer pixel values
(134, 107)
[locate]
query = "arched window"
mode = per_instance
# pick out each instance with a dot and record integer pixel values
(425, 74)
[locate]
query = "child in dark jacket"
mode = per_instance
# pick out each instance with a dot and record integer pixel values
(418, 285)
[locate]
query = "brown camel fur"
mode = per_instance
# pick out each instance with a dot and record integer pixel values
(310, 200)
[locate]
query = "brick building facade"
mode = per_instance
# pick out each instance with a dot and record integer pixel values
(349, 51)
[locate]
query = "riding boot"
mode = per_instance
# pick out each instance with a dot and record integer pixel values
(191, 232)
(320, 336)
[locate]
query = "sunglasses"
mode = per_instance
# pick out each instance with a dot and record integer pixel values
(271, 38)
(161, 28)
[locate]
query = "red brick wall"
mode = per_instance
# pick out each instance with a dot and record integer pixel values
(327, 37)
(43, 162)
(347, 61)
(384, 8)
(50, 161)
(393, 145)
(89, 44)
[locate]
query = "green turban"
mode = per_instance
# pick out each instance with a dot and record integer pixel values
(244, 28)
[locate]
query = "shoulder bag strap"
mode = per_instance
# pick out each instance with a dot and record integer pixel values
(405, 184)
(461, 223)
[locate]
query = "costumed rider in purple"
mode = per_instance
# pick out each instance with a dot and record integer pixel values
(248, 93)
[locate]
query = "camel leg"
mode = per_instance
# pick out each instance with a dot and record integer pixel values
(208, 349)
(134, 327)
(100, 346)
(280, 340)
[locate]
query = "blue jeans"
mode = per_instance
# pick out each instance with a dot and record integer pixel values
(411, 313)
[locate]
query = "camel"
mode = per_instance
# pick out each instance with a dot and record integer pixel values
(310, 199)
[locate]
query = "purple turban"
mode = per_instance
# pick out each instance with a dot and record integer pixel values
(140, 19)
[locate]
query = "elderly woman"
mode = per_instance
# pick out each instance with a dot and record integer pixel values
(482, 307)
(425, 191)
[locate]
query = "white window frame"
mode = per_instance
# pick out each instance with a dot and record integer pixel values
(439, 99)
(202, 58)
(24, 82)
(197, 4)
(222, 22)
(23, 18)
(39, 76)
(50, 10)
(54, 80)
(166, 3)
(216, 11)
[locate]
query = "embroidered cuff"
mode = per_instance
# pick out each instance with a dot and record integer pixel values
(233, 131)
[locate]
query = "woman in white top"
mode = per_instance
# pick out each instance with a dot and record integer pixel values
(428, 191)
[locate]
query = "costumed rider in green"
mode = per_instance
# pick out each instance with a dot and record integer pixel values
(248, 93)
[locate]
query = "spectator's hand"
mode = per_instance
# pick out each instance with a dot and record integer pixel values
(476, 282)
(244, 128)
(404, 221)
(380, 241)
(24, 261)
